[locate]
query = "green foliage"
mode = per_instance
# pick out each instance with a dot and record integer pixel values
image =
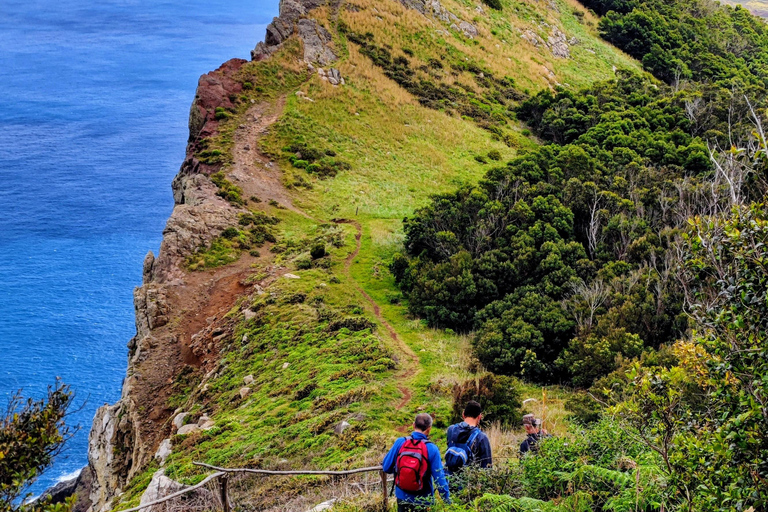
(693, 39)
(227, 189)
(493, 4)
(499, 396)
(32, 434)
(726, 460)
(318, 251)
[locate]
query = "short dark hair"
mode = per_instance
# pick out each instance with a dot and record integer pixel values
(422, 422)
(472, 409)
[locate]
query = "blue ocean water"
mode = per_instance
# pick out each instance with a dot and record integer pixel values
(94, 99)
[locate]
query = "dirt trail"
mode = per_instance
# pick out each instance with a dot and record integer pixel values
(253, 171)
(412, 367)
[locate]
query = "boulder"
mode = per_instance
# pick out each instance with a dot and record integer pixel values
(248, 380)
(326, 505)
(341, 427)
(178, 420)
(188, 429)
(316, 40)
(558, 44)
(163, 451)
(468, 29)
(159, 487)
(244, 392)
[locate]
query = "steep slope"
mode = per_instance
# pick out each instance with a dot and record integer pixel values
(349, 110)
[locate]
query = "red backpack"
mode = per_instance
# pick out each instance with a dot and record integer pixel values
(412, 464)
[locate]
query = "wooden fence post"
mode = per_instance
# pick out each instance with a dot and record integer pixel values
(384, 490)
(223, 489)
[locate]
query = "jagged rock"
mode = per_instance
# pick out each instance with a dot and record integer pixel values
(468, 29)
(178, 420)
(190, 428)
(249, 315)
(316, 39)
(278, 31)
(558, 44)
(286, 365)
(159, 487)
(244, 392)
(163, 451)
(533, 38)
(341, 427)
(61, 491)
(149, 261)
(248, 380)
(574, 41)
(334, 76)
(291, 276)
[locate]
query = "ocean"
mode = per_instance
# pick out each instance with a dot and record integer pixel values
(94, 101)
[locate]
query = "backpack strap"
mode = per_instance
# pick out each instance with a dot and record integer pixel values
(473, 436)
(470, 442)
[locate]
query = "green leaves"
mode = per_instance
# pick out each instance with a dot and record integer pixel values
(32, 433)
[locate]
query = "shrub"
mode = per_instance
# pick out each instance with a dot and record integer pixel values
(481, 159)
(303, 262)
(300, 164)
(494, 154)
(221, 113)
(498, 395)
(493, 4)
(230, 233)
(32, 434)
(318, 251)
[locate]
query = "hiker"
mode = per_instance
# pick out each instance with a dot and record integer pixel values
(416, 463)
(534, 434)
(467, 445)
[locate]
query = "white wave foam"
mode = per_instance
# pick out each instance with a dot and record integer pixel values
(68, 476)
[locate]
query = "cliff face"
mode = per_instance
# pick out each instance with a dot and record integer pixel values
(124, 436)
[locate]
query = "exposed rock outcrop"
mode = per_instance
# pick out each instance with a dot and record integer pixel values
(293, 19)
(436, 9)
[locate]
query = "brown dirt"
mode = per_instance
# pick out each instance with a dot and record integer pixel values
(412, 367)
(252, 170)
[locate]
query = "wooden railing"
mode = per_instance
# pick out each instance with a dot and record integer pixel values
(222, 475)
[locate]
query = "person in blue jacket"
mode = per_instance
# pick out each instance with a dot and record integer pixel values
(410, 502)
(464, 432)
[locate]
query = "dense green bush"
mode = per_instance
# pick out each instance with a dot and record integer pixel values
(498, 395)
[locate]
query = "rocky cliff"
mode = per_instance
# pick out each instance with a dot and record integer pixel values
(126, 435)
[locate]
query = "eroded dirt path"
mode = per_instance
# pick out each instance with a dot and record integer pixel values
(252, 170)
(411, 368)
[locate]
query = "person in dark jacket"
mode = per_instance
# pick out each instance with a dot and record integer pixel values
(410, 502)
(534, 434)
(480, 449)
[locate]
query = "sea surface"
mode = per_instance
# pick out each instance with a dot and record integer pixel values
(94, 101)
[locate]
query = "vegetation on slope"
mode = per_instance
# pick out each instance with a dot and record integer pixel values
(589, 220)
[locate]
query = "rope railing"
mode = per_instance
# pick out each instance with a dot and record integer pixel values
(222, 474)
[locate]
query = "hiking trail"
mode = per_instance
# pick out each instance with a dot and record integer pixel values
(412, 367)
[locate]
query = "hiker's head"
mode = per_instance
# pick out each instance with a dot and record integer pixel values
(531, 424)
(473, 413)
(423, 423)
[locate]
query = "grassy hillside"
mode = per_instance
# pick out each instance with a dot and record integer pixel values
(337, 344)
